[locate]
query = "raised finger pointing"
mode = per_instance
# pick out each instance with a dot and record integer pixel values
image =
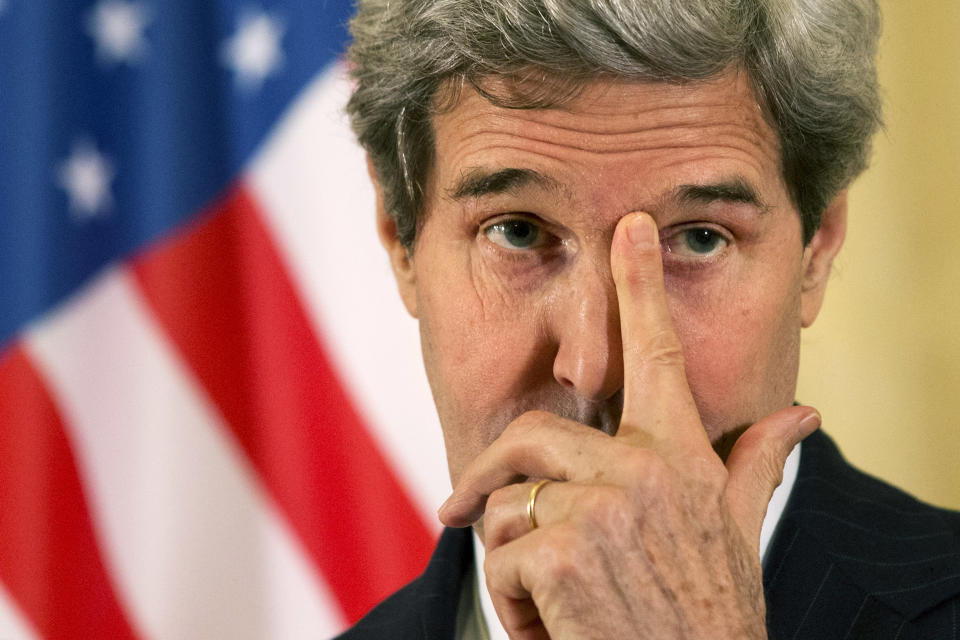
(657, 403)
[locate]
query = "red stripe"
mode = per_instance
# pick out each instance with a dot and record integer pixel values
(49, 560)
(224, 298)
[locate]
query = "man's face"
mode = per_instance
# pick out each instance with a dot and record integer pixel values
(511, 277)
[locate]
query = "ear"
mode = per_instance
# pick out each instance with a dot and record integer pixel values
(818, 258)
(400, 259)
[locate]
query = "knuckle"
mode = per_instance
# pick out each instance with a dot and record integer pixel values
(710, 473)
(494, 569)
(771, 464)
(661, 348)
(646, 469)
(496, 518)
(771, 452)
(656, 484)
(717, 482)
(642, 268)
(608, 509)
(559, 555)
(497, 504)
(636, 464)
(642, 478)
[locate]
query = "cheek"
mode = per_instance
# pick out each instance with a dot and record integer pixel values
(472, 319)
(741, 345)
(478, 338)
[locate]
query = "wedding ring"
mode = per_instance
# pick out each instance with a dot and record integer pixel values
(532, 502)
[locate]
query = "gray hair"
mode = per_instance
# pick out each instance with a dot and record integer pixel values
(811, 63)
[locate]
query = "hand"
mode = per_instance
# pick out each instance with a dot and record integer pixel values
(646, 534)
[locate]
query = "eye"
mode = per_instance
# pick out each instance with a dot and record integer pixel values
(515, 234)
(696, 242)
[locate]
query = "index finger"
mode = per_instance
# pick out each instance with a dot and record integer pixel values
(657, 403)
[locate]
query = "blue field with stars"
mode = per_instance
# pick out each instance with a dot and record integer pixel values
(121, 119)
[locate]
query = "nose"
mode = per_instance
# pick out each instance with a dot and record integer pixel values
(586, 325)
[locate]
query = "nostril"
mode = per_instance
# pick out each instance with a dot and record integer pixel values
(566, 382)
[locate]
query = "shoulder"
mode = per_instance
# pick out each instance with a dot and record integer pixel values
(846, 507)
(427, 606)
(853, 548)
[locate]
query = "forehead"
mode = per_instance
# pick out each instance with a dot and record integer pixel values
(624, 143)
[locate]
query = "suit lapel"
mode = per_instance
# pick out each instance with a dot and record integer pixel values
(425, 609)
(442, 581)
(439, 587)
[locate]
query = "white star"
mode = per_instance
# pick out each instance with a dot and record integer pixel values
(253, 53)
(86, 176)
(117, 27)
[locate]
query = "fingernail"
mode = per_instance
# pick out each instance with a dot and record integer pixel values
(641, 231)
(811, 423)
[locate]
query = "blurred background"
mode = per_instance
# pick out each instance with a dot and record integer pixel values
(882, 362)
(214, 421)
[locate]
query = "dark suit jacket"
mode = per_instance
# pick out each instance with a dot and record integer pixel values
(852, 558)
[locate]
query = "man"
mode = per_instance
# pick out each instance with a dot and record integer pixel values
(612, 220)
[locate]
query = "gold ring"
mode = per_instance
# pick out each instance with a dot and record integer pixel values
(532, 501)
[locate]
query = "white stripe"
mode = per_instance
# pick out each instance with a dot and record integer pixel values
(778, 501)
(13, 624)
(312, 184)
(196, 548)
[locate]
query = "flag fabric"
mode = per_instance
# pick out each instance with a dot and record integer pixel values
(213, 418)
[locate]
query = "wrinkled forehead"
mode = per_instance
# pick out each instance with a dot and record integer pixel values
(536, 88)
(605, 98)
(611, 126)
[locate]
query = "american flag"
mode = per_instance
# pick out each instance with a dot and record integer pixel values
(213, 418)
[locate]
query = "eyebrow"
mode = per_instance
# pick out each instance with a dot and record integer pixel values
(477, 183)
(734, 190)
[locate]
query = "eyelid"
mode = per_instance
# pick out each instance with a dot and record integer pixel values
(515, 215)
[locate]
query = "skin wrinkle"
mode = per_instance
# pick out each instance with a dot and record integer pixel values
(671, 159)
(673, 96)
(659, 581)
(646, 555)
(627, 601)
(675, 101)
(474, 182)
(694, 513)
(551, 122)
(650, 556)
(551, 131)
(738, 564)
(616, 144)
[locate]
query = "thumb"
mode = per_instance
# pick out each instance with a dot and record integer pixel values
(755, 464)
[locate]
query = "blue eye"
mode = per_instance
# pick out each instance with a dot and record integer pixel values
(696, 242)
(515, 234)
